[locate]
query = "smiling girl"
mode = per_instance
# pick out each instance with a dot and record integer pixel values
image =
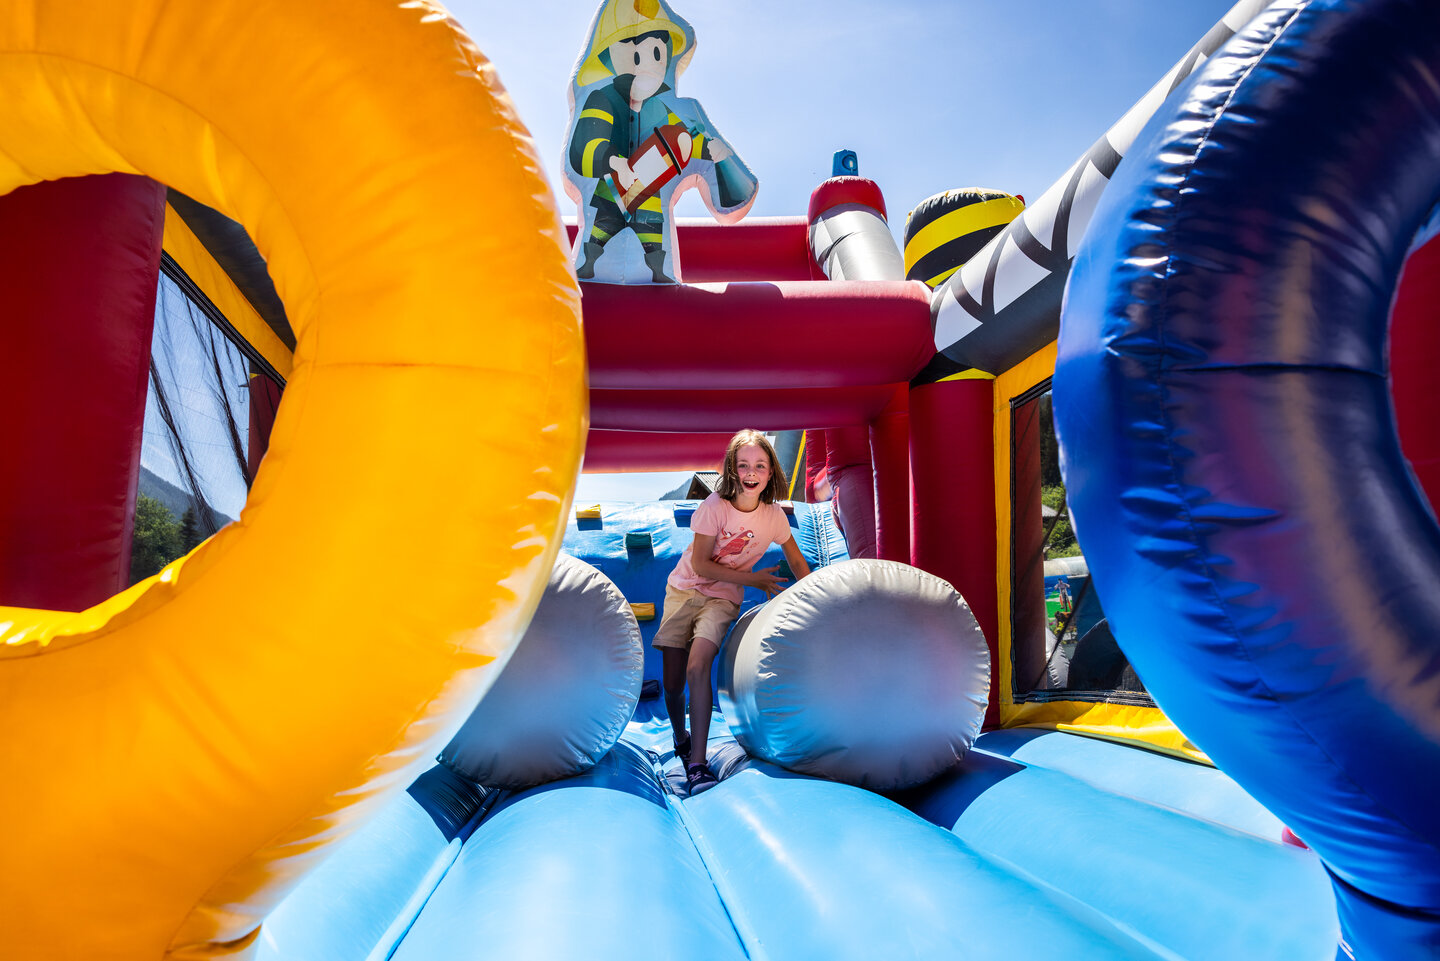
(733, 528)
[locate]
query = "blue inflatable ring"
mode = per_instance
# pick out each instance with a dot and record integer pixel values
(1265, 556)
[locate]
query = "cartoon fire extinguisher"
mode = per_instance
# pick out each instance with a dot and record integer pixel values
(656, 162)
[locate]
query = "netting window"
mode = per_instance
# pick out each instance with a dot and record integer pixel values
(207, 390)
(1062, 647)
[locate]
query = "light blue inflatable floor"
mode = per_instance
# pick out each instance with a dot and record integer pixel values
(1043, 842)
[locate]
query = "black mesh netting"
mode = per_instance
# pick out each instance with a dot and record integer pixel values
(1062, 646)
(208, 393)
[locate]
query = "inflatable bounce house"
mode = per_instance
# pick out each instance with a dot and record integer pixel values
(1121, 637)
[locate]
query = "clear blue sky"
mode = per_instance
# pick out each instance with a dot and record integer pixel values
(932, 94)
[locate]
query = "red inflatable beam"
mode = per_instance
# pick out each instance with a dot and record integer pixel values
(721, 410)
(746, 336)
(761, 248)
(616, 451)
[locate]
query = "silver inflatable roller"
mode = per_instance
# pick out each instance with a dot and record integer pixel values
(567, 693)
(870, 672)
(849, 237)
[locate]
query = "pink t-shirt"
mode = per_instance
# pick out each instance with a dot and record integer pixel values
(740, 540)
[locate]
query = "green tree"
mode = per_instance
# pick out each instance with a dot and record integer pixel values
(190, 536)
(1062, 541)
(157, 539)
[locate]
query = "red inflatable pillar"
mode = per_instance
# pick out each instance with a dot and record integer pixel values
(1414, 352)
(79, 265)
(264, 402)
(850, 240)
(817, 482)
(952, 456)
(952, 424)
(852, 481)
(890, 453)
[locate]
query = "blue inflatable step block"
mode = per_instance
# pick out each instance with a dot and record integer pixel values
(1152, 853)
(817, 869)
(597, 866)
(1196, 789)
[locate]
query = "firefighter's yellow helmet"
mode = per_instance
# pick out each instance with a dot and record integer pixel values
(624, 20)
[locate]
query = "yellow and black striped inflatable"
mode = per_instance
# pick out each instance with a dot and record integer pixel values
(946, 230)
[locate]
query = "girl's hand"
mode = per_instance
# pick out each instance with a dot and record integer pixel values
(768, 581)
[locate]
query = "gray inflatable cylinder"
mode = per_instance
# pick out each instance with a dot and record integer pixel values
(568, 691)
(853, 242)
(870, 672)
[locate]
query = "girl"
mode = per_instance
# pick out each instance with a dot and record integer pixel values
(733, 528)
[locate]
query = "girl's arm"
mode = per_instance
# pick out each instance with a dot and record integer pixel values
(795, 559)
(764, 580)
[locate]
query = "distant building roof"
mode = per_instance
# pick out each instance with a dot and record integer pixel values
(700, 486)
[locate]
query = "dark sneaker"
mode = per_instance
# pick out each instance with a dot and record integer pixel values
(682, 748)
(699, 778)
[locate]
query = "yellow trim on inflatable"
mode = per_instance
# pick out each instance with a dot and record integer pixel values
(1121, 723)
(644, 611)
(176, 759)
(968, 374)
(943, 276)
(1116, 722)
(958, 223)
(596, 113)
(795, 471)
(1012, 383)
(195, 260)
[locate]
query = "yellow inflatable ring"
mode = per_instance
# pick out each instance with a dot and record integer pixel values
(175, 759)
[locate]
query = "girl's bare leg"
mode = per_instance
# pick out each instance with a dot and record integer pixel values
(673, 660)
(697, 675)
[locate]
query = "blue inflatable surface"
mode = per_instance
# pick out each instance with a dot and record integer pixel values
(1221, 398)
(1039, 841)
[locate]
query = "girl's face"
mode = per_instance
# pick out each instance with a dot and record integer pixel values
(753, 469)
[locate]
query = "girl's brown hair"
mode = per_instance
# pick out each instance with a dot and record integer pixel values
(729, 486)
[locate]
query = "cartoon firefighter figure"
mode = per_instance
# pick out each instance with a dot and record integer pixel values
(635, 146)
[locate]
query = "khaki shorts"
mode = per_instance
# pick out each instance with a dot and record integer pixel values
(690, 614)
